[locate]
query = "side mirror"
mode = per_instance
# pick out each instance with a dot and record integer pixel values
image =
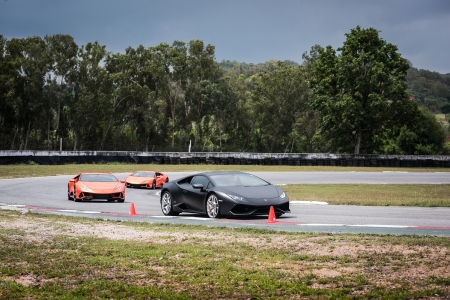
(122, 181)
(197, 186)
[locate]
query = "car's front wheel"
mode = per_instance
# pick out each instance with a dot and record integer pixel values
(75, 195)
(154, 185)
(166, 204)
(68, 194)
(213, 206)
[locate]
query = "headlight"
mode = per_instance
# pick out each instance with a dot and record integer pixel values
(282, 195)
(85, 188)
(145, 181)
(236, 198)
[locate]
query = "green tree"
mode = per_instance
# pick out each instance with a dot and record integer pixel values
(202, 71)
(358, 91)
(90, 108)
(239, 125)
(133, 94)
(417, 133)
(221, 104)
(63, 51)
(169, 66)
(8, 113)
(30, 63)
(63, 55)
(280, 102)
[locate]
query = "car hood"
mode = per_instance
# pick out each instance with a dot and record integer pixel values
(100, 185)
(138, 179)
(252, 192)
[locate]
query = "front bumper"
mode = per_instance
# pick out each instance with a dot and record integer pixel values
(108, 196)
(138, 185)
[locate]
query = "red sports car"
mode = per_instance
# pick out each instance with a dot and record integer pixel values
(146, 179)
(90, 186)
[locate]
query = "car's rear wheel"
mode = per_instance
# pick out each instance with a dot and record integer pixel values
(213, 206)
(166, 204)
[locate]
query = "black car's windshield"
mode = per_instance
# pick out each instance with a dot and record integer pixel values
(98, 178)
(237, 180)
(143, 174)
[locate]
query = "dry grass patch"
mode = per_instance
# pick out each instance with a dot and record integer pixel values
(69, 258)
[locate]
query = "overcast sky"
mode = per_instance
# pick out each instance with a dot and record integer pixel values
(250, 31)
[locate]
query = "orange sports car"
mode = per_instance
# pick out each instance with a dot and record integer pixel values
(90, 186)
(146, 179)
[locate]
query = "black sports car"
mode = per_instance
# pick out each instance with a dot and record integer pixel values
(222, 194)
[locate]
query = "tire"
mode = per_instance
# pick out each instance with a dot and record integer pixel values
(213, 206)
(68, 193)
(75, 195)
(154, 185)
(121, 200)
(167, 205)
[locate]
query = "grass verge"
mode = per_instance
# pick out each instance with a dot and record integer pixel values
(48, 257)
(33, 170)
(424, 195)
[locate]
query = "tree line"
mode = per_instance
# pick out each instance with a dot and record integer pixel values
(55, 94)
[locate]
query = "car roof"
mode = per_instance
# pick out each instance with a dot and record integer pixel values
(220, 173)
(96, 173)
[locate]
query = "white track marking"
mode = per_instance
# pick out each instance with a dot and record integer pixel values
(308, 202)
(362, 225)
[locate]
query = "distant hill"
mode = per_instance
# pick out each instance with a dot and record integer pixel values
(248, 70)
(430, 89)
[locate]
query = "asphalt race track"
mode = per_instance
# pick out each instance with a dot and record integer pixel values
(49, 195)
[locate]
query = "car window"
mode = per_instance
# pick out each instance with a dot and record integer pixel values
(98, 178)
(225, 180)
(202, 180)
(250, 180)
(143, 174)
(237, 180)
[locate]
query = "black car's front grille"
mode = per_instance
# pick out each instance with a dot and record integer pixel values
(241, 209)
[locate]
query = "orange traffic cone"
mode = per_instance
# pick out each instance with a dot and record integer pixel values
(132, 210)
(272, 218)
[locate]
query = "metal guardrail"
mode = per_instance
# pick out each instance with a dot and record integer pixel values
(223, 158)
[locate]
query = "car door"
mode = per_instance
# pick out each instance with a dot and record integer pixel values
(195, 197)
(159, 179)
